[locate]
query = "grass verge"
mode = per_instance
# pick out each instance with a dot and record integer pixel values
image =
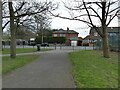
(91, 70)
(9, 64)
(22, 50)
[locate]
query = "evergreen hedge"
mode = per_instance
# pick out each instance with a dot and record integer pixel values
(50, 39)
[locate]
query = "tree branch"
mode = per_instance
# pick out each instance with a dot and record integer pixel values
(96, 14)
(20, 7)
(33, 13)
(107, 10)
(98, 5)
(70, 18)
(88, 14)
(91, 20)
(114, 10)
(5, 25)
(112, 18)
(85, 15)
(4, 3)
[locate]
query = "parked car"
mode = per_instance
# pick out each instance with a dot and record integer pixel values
(45, 44)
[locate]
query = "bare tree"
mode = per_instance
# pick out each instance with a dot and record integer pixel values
(24, 33)
(43, 22)
(103, 12)
(20, 10)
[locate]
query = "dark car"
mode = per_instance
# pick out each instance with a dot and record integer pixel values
(45, 44)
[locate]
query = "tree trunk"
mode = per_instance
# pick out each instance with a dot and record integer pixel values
(105, 33)
(105, 43)
(12, 30)
(0, 26)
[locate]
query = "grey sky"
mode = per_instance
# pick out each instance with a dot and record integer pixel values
(78, 26)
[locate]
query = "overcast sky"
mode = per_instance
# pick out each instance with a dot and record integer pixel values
(78, 26)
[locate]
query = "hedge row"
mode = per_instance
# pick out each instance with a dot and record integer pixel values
(50, 39)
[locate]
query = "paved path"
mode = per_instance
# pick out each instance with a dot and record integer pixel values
(40, 52)
(52, 70)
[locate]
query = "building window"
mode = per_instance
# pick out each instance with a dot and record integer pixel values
(95, 34)
(113, 39)
(55, 35)
(62, 35)
(112, 34)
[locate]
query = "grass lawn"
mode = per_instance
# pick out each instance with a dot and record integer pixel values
(91, 70)
(9, 64)
(23, 50)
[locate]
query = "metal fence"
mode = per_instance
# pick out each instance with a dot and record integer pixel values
(114, 43)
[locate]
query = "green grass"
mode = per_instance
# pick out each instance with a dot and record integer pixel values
(9, 64)
(91, 70)
(22, 50)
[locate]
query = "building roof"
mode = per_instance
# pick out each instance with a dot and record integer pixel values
(80, 38)
(109, 29)
(73, 38)
(65, 31)
(113, 29)
(91, 37)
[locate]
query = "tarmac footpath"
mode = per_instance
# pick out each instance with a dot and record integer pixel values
(51, 70)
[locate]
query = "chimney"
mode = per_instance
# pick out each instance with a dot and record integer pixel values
(67, 28)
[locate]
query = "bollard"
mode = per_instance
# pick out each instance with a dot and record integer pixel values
(38, 47)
